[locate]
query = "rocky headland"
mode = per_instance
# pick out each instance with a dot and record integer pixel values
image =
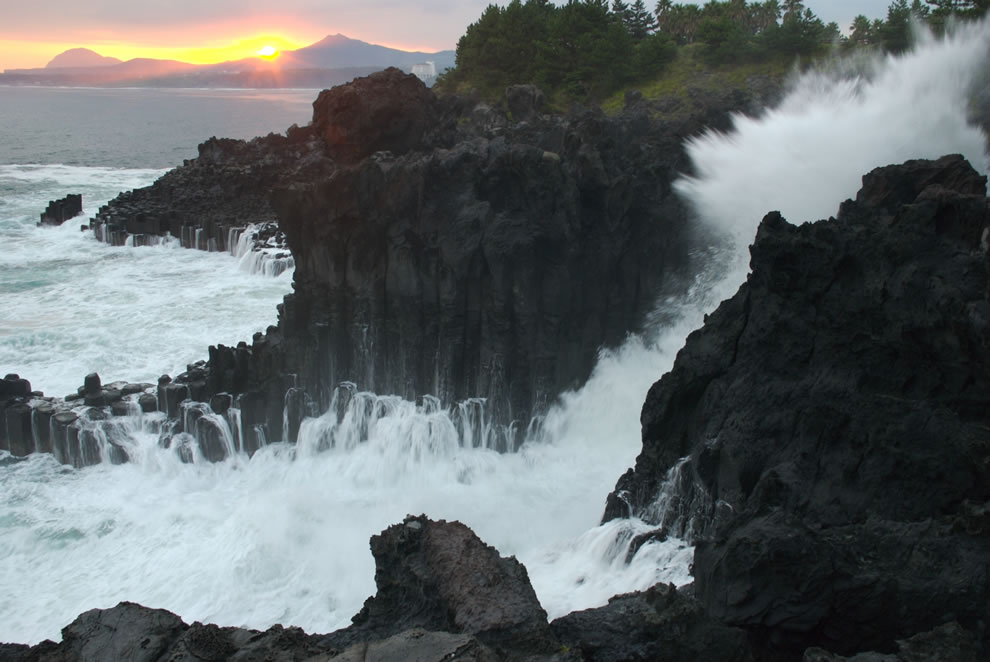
(441, 250)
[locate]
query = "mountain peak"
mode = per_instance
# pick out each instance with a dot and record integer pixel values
(335, 40)
(80, 57)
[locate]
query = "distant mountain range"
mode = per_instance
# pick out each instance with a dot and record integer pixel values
(80, 57)
(333, 60)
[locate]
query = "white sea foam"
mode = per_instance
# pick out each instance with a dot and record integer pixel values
(283, 537)
(72, 305)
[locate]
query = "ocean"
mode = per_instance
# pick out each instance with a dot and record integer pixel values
(282, 537)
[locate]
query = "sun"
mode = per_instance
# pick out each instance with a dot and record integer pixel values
(268, 52)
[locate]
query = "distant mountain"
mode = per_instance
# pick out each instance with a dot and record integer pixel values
(331, 61)
(340, 51)
(80, 57)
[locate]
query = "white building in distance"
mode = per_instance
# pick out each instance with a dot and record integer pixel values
(425, 71)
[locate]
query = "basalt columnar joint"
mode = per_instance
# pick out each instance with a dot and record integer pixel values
(835, 419)
(208, 201)
(61, 210)
(439, 248)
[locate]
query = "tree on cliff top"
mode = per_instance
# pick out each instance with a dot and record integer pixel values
(581, 49)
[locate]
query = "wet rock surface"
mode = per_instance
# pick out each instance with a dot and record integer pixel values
(440, 576)
(657, 624)
(61, 210)
(835, 417)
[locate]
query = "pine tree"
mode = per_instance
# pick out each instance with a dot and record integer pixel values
(641, 22)
(861, 31)
(620, 11)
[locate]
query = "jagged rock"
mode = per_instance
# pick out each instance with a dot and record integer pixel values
(209, 202)
(92, 384)
(386, 111)
(656, 625)
(946, 643)
(524, 101)
(125, 632)
(439, 576)
(20, 440)
(59, 211)
(835, 417)
(13, 386)
(417, 645)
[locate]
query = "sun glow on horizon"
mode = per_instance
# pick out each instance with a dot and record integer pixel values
(268, 52)
(264, 45)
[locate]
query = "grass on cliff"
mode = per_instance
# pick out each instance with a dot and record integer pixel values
(690, 71)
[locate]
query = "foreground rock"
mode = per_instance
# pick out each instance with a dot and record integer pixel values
(442, 595)
(835, 420)
(657, 624)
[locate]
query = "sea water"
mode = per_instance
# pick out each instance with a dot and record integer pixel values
(283, 536)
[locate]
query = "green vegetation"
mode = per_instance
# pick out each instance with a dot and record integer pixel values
(590, 50)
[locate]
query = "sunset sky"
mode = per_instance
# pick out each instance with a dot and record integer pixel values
(201, 31)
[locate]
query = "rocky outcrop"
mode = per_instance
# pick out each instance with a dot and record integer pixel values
(59, 211)
(440, 249)
(132, 633)
(209, 202)
(834, 420)
(438, 576)
(496, 268)
(946, 643)
(442, 595)
(659, 624)
(524, 102)
(389, 110)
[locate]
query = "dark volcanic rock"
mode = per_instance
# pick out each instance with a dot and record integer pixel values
(125, 632)
(835, 417)
(946, 643)
(657, 625)
(386, 111)
(208, 202)
(442, 595)
(440, 249)
(59, 211)
(524, 101)
(440, 576)
(419, 645)
(497, 268)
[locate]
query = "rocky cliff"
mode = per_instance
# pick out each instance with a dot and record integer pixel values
(825, 437)
(496, 267)
(440, 249)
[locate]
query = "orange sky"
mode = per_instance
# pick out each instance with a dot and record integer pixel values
(27, 41)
